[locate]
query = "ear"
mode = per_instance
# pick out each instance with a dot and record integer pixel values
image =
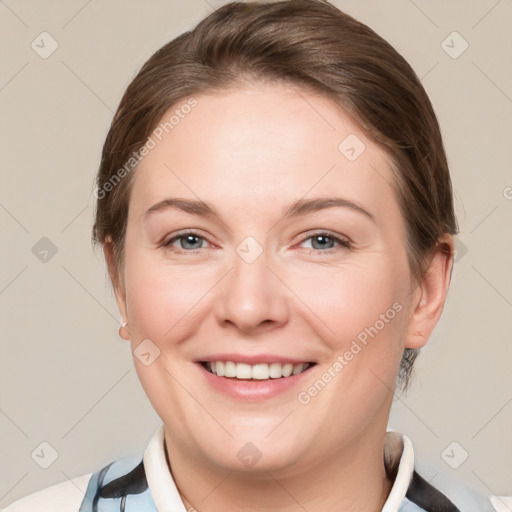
(118, 286)
(430, 294)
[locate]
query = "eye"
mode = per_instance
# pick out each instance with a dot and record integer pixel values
(188, 241)
(325, 242)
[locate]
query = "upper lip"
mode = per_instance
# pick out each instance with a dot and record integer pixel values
(253, 359)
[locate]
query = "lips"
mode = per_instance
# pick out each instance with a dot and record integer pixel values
(263, 386)
(253, 377)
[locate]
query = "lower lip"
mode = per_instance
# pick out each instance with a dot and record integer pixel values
(252, 390)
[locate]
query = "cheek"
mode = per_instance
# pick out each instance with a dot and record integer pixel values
(361, 314)
(345, 303)
(163, 300)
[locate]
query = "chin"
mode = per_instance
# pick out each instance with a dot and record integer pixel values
(252, 458)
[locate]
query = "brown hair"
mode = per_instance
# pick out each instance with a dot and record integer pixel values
(309, 44)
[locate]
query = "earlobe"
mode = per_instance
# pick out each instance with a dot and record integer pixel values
(119, 292)
(124, 331)
(430, 295)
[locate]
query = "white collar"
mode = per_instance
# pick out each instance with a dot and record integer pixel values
(167, 498)
(160, 481)
(403, 453)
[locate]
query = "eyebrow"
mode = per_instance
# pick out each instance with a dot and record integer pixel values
(295, 209)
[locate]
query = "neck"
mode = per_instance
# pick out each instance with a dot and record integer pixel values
(351, 479)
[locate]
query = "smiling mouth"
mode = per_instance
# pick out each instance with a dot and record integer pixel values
(261, 371)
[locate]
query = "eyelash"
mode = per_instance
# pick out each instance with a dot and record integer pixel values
(342, 242)
(183, 235)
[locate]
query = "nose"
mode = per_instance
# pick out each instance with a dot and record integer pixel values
(252, 297)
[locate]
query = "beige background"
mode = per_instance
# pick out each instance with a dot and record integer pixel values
(68, 379)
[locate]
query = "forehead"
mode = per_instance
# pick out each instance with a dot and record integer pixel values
(260, 147)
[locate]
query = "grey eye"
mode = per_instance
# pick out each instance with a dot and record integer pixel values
(187, 242)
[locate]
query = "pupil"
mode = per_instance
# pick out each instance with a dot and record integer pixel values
(324, 241)
(190, 240)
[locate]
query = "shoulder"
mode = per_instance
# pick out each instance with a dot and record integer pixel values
(421, 486)
(443, 493)
(63, 497)
(83, 493)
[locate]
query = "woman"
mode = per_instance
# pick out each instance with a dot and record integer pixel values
(275, 209)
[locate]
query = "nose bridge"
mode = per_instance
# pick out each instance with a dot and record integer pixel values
(251, 293)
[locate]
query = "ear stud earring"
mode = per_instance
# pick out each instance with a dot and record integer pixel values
(122, 325)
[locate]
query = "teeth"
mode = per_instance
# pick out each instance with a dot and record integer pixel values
(287, 369)
(229, 369)
(261, 371)
(275, 370)
(243, 371)
(298, 368)
(258, 371)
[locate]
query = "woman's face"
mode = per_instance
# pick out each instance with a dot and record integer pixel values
(263, 232)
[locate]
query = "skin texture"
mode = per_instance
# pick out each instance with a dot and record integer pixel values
(249, 153)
